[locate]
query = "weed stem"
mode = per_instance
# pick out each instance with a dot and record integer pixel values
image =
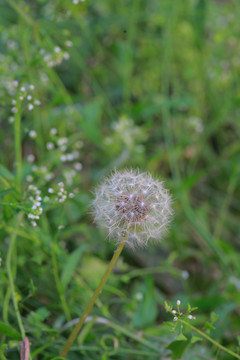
(97, 292)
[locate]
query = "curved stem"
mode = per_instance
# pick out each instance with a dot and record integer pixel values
(210, 339)
(97, 292)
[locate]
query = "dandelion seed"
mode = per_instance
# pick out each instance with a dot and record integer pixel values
(126, 205)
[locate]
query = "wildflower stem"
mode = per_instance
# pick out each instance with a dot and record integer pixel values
(11, 278)
(18, 145)
(97, 292)
(223, 348)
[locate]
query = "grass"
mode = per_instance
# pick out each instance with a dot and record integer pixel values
(153, 85)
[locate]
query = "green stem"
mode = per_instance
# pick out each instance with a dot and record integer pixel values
(97, 292)
(17, 143)
(58, 283)
(10, 276)
(223, 348)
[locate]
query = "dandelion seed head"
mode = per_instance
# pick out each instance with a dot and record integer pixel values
(132, 206)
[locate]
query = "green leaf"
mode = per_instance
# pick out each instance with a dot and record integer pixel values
(209, 326)
(7, 330)
(195, 339)
(71, 265)
(5, 173)
(181, 337)
(146, 311)
(177, 348)
(5, 192)
(214, 317)
(91, 125)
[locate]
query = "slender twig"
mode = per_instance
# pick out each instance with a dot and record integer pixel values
(97, 292)
(223, 348)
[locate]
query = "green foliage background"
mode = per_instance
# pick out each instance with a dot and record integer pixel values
(148, 84)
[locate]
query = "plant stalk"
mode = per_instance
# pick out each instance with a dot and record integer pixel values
(223, 348)
(97, 292)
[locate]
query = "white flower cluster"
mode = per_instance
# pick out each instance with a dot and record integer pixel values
(36, 199)
(26, 93)
(56, 57)
(132, 206)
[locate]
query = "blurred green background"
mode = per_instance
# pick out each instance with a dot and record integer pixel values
(92, 86)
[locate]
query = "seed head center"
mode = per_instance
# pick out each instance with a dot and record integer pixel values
(132, 207)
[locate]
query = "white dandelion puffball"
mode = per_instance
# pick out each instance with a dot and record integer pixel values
(133, 207)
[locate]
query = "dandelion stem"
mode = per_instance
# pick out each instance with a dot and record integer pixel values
(97, 292)
(223, 348)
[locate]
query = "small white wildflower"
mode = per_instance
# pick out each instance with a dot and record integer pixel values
(62, 141)
(178, 302)
(185, 274)
(174, 312)
(14, 102)
(32, 87)
(75, 2)
(63, 158)
(50, 145)
(30, 158)
(29, 97)
(29, 178)
(132, 206)
(78, 166)
(66, 56)
(50, 190)
(32, 134)
(68, 43)
(23, 88)
(15, 83)
(71, 195)
(49, 176)
(30, 107)
(60, 227)
(190, 317)
(61, 184)
(139, 295)
(37, 102)
(175, 318)
(11, 119)
(21, 97)
(14, 109)
(53, 131)
(34, 223)
(57, 49)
